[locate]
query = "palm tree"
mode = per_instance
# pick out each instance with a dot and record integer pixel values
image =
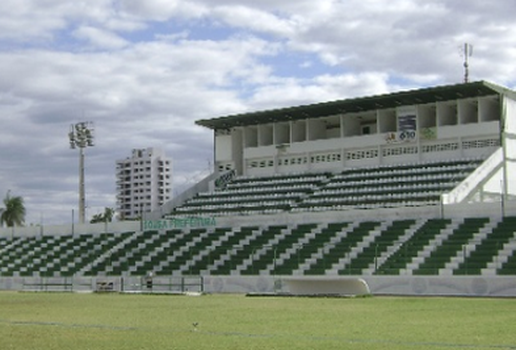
(14, 212)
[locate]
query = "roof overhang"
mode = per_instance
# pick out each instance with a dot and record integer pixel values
(358, 105)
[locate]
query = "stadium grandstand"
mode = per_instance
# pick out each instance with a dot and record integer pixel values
(410, 192)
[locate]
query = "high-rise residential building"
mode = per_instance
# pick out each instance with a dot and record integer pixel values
(144, 182)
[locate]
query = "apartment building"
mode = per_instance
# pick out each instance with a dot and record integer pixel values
(144, 182)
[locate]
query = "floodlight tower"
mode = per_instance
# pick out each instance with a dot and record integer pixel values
(81, 136)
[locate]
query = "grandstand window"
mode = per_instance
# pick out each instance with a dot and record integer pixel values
(288, 161)
(324, 158)
(398, 151)
(451, 146)
(362, 154)
(481, 143)
(335, 157)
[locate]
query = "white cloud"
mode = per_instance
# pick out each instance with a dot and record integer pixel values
(99, 38)
(161, 10)
(148, 95)
(256, 20)
(291, 92)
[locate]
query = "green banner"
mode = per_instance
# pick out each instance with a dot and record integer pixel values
(171, 223)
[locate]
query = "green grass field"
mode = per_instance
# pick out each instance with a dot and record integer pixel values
(113, 321)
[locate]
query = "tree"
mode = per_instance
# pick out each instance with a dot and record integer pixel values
(107, 216)
(13, 213)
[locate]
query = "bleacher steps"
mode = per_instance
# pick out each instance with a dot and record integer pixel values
(245, 241)
(508, 250)
(409, 232)
(293, 249)
(469, 247)
(270, 243)
(319, 254)
(206, 252)
(104, 256)
(431, 246)
(359, 248)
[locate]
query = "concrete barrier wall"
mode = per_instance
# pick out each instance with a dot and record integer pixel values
(78, 229)
(473, 286)
(494, 209)
(477, 286)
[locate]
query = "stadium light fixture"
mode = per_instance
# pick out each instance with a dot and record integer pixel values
(81, 135)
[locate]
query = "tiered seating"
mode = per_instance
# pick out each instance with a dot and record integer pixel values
(259, 244)
(292, 238)
(369, 255)
(451, 246)
(85, 251)
(488, 248)
(112, 259)
(339, 249)
(178, 257)
(17, 256)
(210, 251)
(315, 239)
(253, 195)
(225, 258)
(383, 186)
(508, 267)
(200, 248)
(49, 256)
(409, 249)
(390, 186)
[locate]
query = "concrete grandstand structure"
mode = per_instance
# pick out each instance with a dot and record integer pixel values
(410, 192)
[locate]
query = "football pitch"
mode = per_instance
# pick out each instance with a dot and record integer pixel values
(114, 321)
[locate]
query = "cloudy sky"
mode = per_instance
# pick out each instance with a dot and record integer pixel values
(144, 70)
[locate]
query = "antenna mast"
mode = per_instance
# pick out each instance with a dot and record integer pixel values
(467, 51)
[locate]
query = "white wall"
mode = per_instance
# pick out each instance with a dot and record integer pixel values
(478, 286)
(61, 230)
(223, 148)
(475, 286)
(455, 121)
